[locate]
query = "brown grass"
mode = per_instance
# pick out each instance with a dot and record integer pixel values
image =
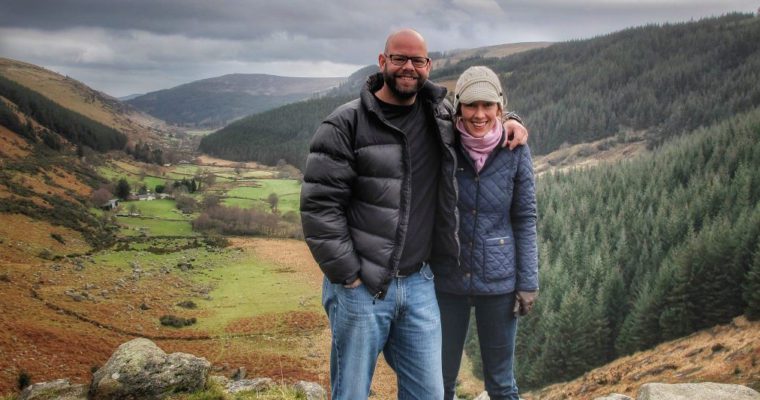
(586, 155)
(727, 354)
(24, 238)
(12, 145)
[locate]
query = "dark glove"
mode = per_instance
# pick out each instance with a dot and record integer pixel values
(524, 302)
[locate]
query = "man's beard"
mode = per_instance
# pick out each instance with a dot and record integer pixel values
(390, 81)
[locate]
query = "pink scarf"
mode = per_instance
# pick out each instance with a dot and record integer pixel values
(480, 148)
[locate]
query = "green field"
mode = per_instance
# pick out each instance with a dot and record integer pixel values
(155, 227)
(156, 208)
(288, 190)
(241, 286)
(245, 287)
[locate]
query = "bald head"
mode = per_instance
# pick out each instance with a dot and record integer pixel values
(403, 36)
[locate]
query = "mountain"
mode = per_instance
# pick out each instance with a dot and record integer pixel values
(78, 97)
(453, 57)
(130, 96)
(214, 102)
(52, 129)
(655, 81)
(663, 79)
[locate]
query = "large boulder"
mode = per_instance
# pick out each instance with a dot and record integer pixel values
(696, 391)
(140, 370)
(60, 389)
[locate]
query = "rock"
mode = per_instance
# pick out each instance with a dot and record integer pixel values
(311, 390)
(248, 385)
(59, 389)
(614, 396)
(219, 380)
(696, 391)
(139, 369)
(78, 297)
(239, 374)
(482, 396)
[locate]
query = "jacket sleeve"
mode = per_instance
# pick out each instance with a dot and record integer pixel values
(325, 194)
(524, 218)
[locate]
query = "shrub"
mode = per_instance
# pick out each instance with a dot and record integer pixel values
(24, 380)
(187, 304)
(58, 238)
(175, 321)
(46, 254)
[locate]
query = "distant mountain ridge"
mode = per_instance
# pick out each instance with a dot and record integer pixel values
(663, 80)
(214, 102)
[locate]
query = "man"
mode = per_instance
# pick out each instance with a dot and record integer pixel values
(378, 201)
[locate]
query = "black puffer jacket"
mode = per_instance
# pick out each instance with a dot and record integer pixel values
(357, 185)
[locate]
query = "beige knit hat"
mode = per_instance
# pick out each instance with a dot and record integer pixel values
(478, 83)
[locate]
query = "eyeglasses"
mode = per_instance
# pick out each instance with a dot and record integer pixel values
(417, 62)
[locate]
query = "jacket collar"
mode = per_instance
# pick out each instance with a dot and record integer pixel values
(429, 92)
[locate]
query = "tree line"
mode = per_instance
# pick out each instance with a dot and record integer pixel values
(644, 251)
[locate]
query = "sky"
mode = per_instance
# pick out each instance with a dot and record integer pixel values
(123, 47)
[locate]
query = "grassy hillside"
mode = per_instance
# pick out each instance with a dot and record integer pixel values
(726, 353)
(81, 99)
(214, 102)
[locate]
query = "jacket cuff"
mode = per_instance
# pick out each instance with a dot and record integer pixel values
(349, 280)
(510, 115)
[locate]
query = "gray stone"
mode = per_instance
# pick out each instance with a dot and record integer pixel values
(59, 389)
(696, 391)
(139, 369)
(249, 385)
(311, 390)
(219, 380)
(614, 396)
(483, 396)
(239, 374)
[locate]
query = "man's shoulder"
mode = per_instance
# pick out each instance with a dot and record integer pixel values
(344, 111)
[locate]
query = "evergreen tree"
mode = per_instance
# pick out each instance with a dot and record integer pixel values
(752, 288)
(123, 189)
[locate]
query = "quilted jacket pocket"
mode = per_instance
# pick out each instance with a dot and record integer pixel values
(499, 257)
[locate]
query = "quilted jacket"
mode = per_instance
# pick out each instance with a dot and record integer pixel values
(357, 186)
(497, 228)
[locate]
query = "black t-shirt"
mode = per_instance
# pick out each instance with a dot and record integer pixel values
(426, 166)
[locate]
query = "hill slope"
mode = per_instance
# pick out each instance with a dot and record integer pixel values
(214, 102)
(725, 354)
(82, 99)
(645, 251)
(665, 79)
(658, 80)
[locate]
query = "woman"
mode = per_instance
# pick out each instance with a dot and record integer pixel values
(498, 263)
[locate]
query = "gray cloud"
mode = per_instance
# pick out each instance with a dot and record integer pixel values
(126, 46)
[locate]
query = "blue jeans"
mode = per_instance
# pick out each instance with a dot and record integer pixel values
(405, 326)
(497, 328)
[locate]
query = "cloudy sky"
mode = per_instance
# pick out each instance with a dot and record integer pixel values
(135, 46)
